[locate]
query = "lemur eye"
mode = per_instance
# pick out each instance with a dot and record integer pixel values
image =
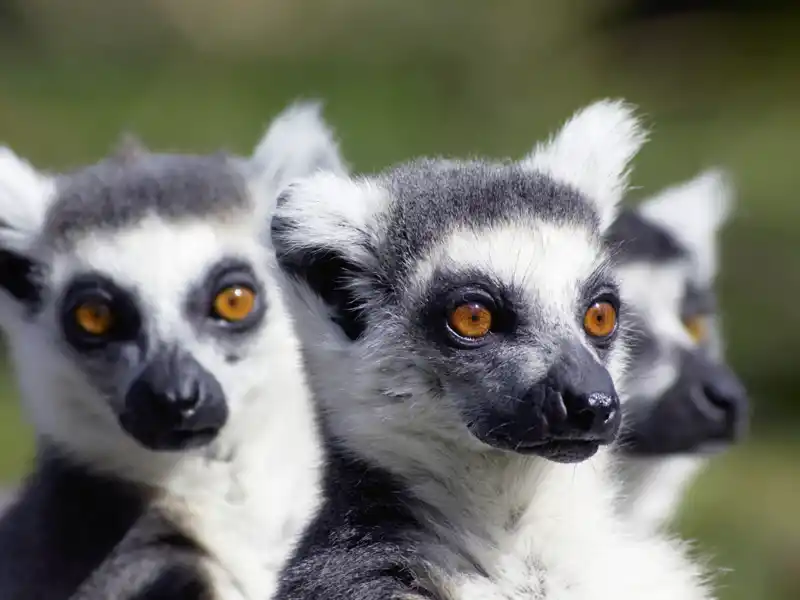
(472, 320)
(234, 303)
(600, 320)
(94, 317)
(697, 328)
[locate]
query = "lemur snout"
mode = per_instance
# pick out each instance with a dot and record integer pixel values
(706, 408)
(581, 402)
(174, 404)
(564, 417)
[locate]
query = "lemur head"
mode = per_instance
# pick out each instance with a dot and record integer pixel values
(141, 303)
(683, 398)
(469, 298)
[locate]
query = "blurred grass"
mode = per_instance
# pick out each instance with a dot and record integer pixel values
(466, 77)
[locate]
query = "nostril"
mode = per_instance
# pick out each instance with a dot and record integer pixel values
(609, 417)
(186, 404)
(725, 400)
(583, 420)
(592, 414)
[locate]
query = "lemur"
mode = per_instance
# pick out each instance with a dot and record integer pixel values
(666, 252)
(158, 364)
(463, 331)
(685, 402)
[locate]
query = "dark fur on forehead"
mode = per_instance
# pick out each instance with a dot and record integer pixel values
(434, 197)
(117, 194)
(634, 238)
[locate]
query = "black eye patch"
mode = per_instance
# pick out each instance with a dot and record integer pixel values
(95, 312)
(212, 303)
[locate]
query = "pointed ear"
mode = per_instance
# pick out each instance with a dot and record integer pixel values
(297, 144)
(322, 231)
(591, 153)
(24, 197)
(693, 212)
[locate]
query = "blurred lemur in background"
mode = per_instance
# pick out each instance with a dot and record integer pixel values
(157, 361)
(683, 402)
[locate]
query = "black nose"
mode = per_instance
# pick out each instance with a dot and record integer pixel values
(174, 404)
(581, 402)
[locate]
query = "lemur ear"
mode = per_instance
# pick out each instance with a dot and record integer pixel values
(128, 148)
(324, 235)
(592, 152)
(298, 143)
(24, 197)
(693, 212)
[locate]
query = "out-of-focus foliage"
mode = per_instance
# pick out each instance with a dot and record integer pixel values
(718, 81)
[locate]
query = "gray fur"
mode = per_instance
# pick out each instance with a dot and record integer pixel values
(112, 195)
(433, 198)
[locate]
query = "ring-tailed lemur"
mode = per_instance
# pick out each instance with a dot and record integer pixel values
(159, 366)
(460, 323)
(683, 400)
(666, 250)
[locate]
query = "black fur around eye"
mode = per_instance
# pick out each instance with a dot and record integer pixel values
(469, 316)
(95, 312)
(230, 298)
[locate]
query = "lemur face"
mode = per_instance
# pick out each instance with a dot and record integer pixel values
(683, 398)
(476, 294)
(142, 293)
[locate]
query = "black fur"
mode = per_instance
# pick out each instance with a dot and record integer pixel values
(326, 272)
(361, 546)
(155, 561)
(178, 582)
(634, 238)
(60, 528)
(18, 277)
(116, 194)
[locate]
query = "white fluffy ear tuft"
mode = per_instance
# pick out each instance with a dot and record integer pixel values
(592, 152)
(693, 212)
(297, 143)
(328, 211)
(25, 195)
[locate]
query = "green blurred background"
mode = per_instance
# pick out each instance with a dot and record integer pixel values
(719, 83)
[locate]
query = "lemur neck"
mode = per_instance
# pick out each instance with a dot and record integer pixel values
(481, 490)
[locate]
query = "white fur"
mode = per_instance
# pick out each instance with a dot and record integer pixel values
(654, 487)
(336, 211)
(25, 194)
(297, 136)
(693, 212)
(592, 153)
(249, 494)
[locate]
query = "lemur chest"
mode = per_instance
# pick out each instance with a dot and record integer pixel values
(524, 565)
(249, 534)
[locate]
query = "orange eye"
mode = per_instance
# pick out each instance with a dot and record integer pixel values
(234, 303)
(600, 321)
(697, 328)
(471, 320)
(94, 318)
